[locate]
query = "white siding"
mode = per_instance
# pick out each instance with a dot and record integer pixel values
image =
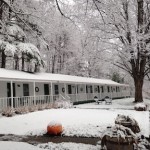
(3, 89)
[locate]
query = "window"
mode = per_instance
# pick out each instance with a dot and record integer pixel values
(118, 89)
(56, 89)
(111, 89)
(108, 89)
(77, 88)
(91, 89)
(98, 89)
(114, 89)
(25, 89)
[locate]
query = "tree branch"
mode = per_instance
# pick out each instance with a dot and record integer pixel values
(94, 1)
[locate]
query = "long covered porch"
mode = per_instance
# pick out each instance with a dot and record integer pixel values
(17, 93)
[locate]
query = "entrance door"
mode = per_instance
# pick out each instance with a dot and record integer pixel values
(46, 89)
(69, 89)
(46, 92)
(9, 94)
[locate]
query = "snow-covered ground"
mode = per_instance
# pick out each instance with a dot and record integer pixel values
(125, 103)
(79, 122)
(86, 120)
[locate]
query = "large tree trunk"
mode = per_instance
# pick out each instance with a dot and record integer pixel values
(138, 71)
(3, 57)
(23, 59)
(16, 63)
(138, 82)
(3, 64)
(53, 63)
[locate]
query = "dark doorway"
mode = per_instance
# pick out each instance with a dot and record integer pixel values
(46, 89)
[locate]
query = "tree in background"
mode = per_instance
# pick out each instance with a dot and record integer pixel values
(62, 37)
(124, 24)
(92, 57)
(117, 78)
(14, 42)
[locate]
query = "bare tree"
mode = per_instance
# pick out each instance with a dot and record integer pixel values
(126, 25)
(129, 21)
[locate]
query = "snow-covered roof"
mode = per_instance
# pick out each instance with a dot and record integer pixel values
(48, 77)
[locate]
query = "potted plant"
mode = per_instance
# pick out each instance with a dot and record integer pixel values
(128, 122)
(118, 138)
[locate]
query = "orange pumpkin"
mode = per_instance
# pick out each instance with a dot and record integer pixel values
(54, 129)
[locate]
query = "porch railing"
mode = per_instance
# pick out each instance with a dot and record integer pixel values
(28, 101)
(16, 102)
(24, 101)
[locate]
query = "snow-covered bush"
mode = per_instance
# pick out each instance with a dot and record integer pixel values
(41, 106)
(62, 104)
(10, 49)
(8, 112)
(32, 108)
(140, 107)
(49, 106)
(21, 110)
(129, 122)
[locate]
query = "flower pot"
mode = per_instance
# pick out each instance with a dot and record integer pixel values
(113, 143)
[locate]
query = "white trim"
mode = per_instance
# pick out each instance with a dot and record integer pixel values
(76, 91)
(52, 91)
(11, 87)
(34, 92)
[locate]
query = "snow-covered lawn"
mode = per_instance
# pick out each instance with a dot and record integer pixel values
(125, 103)
(87, 120)
(79, 122)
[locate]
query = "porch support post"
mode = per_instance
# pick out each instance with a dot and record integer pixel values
(11, 85)
(86, 93)
(93, 91)
(100, 90)
(52, 91)
(65, 90)
(34, 93)
(76, 92)
(111, 91)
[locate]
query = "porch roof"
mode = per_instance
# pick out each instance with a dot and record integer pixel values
(14, 75)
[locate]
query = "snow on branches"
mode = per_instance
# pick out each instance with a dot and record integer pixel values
(14, 31)
(10, 49)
